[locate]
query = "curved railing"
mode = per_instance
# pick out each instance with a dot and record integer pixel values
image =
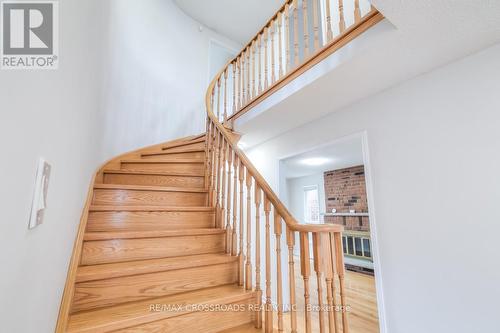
(236, 187)
(298, 36)
(224, 158)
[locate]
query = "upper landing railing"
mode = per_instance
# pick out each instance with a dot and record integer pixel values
(298, 36)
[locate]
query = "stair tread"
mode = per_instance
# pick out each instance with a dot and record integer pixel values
(135, 313)
(152, 173)
(199, 136)
(247, 328)
(184, 143)
(103, 235)
(149, 188)
(107, 271)
(184, 139)
(151, 209)
(186, 150)
(172, 161)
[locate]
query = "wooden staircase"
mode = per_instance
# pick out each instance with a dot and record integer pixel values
(170, 241)
(149, 256)
(187, 236)
(172, 232)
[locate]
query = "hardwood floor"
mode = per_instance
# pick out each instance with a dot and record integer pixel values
(361, 296)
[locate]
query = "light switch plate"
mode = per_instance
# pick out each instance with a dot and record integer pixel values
(39, 203)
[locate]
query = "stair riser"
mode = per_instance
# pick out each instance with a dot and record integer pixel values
(119, 250)
(149, 198)
(154, 180)
(198, 155)
(95, 294)
(189, 169)
(145, 221)
(203, 321)
(196, 145)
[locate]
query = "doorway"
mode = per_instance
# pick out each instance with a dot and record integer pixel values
(331, 184)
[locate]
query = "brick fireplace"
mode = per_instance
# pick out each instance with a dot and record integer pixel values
(345, 189)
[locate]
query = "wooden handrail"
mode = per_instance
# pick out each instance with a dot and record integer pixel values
(290, 221)
(225, 156)
(260, 181)
(246, 98)
(257, 73)
(290, 44)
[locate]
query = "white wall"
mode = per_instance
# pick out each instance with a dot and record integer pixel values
(434, 153)
(295, 200)
(295, 190)
(218, 57)
(132, 73)
(51, 114)
(157, 67)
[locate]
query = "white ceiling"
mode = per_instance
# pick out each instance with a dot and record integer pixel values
(417, 37)
(238, 20)
(344, 153)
